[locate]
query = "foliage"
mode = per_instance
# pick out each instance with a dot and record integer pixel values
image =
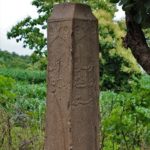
(22, 118)
(126, 117)
(141, 9)
(32, 76)
(124, 100)
(7, 98)
(8, 60)
(147, 35)
(38, 62)
(30, 30)
(117, 64)
(22, 103)
(6, 94)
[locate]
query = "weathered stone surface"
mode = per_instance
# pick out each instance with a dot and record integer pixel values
(72, 120)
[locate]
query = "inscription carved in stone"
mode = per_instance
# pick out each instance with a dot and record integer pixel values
(72, 120)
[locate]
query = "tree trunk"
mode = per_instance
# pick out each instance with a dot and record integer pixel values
(136, 41)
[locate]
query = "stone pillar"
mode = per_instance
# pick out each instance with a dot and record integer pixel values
(72, 117)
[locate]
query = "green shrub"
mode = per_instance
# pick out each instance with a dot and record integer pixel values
(126, 117)
(13, 60)
(7, 99)
(29, 115)
(24, 75)
(6, 93)
(22, 109)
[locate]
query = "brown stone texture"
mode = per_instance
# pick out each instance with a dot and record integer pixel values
(72, 117)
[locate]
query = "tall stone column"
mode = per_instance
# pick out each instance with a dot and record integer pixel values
(72, 117)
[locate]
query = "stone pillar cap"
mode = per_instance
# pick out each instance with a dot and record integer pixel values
(70, 11)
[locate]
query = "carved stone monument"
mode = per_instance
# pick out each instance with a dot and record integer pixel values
(72, 117)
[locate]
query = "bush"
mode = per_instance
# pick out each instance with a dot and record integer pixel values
(22, 109)
(7, 98)
(24, 75)
(6, 94)
(126, 117)
(12, 60)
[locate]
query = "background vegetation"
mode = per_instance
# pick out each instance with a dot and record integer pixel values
(125, 87)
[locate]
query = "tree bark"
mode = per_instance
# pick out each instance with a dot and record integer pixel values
(135, 40)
